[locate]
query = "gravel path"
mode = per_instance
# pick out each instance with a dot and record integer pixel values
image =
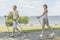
(32, 36)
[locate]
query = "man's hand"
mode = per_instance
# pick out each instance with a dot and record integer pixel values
(14, 19)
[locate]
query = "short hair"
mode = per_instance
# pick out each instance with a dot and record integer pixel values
(15, 6)
(45, 5)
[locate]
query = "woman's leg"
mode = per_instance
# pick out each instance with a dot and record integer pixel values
(47, 23)
(49, 27)
(43, 26)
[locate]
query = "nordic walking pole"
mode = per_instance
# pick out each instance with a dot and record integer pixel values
(38, 19)
(6, 24)
(23, 30)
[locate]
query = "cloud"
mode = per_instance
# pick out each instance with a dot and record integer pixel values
(30, 7)
(54, 9)
(6, 6)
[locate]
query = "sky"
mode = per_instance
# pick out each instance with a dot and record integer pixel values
(30, 7)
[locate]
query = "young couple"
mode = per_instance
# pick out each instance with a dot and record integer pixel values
(44, 20)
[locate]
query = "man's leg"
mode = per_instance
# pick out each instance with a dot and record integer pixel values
(14, 27)
(17, 29)
(12, 32)
(20, 33)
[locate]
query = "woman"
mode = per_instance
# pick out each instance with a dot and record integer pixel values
(45, 21)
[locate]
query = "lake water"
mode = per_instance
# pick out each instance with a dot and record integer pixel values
(33, 20)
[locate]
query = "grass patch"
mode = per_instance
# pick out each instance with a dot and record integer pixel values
(29, 28)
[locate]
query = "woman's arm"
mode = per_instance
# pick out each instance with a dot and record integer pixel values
(45, 11)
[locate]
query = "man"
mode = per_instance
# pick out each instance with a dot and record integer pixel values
(15, 19)
(45, 21)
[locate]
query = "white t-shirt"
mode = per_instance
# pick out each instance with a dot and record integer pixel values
(45, 15)
(15, 13)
